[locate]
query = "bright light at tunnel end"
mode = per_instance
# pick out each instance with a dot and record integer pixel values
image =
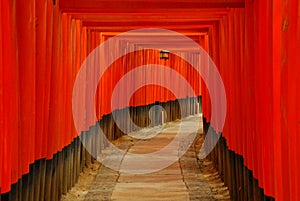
(102, 57)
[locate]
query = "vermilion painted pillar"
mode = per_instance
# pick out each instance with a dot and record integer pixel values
(41, 78)
(25, 14)
(10, 94)
(57, 92)
(47, 142)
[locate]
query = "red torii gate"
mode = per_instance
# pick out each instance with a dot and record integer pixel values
(254, 44)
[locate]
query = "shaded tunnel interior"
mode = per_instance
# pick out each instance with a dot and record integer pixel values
(253, 44)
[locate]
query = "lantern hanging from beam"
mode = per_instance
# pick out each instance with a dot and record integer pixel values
(164, 54)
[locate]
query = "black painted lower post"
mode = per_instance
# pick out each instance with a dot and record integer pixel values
(238, 178)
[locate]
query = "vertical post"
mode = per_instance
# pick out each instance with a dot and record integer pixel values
(163, 118)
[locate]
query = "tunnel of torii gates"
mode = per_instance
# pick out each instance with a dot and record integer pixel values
(254, 44)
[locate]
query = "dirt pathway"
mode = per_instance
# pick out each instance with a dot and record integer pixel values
(182, 180)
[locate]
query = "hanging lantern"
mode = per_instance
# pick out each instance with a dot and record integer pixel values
(164, 54)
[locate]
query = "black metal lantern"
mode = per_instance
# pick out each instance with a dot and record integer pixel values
(164, 54)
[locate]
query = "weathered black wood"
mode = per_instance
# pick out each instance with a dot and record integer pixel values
(72, 166)
(37, 179)
(42, 178)
(238, 175)
(235, 175)
(82, 153)
(14, 195)
(246, 186)
(78, 156)
(88, 157)
(5, 197)
(65, 170)
(31, 183)
(224, 162)
(54, 179)
(25, 187)
(228, 172)
(241, 178)
(48, 180)
(220, 160)
(60, 174)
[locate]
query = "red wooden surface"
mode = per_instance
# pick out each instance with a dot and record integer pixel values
(255, 48)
